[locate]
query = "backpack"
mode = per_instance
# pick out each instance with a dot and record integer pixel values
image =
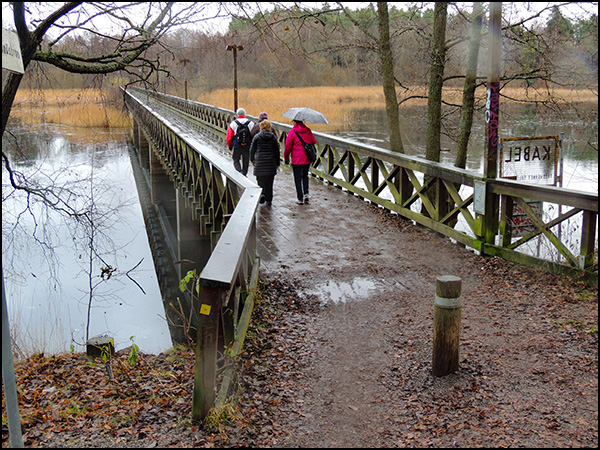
(309, 149)
(242, 134)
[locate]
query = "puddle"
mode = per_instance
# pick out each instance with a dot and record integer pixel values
(342, 292)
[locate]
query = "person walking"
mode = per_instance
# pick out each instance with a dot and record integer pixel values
(239, 138)
(294, 150)
(262, 116)
(264, 154)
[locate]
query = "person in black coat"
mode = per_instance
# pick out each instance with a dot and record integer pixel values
(264, 154)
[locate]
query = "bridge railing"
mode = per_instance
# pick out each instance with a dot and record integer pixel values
(561, 237)
(223, 203)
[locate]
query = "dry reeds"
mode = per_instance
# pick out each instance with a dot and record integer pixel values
(331, 101)
(92, 108)
(335, 102)
(73, 107)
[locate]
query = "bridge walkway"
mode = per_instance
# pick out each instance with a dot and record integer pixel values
(361, 278)
(352, 266)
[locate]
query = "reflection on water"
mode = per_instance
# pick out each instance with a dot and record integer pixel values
(369, 126)
(46, 258)
(342, 292)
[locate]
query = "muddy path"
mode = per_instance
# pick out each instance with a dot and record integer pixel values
(350, 361)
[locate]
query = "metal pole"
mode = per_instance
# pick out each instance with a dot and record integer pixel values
(9, 379)
(493, 94)
(185, 80)
(490, 163)
(235, 87)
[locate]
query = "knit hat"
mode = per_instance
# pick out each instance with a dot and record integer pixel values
(241, 112)
(263, 116)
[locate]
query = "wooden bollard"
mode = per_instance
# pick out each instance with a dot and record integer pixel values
(446, 325)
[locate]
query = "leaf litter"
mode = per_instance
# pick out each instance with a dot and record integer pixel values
(528, 373)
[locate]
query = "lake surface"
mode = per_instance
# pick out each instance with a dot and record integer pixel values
(47, 289)
(579, 131)
(48, 292)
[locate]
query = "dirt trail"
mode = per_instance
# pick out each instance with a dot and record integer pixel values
(350, 359)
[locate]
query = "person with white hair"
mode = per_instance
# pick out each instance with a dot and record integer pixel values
(239, 138)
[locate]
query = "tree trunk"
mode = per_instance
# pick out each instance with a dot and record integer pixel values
(466, 120)
(389, 87)
(434, 100)
(436, 82)
(9, 91)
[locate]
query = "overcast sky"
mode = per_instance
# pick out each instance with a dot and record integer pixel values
(512, 11)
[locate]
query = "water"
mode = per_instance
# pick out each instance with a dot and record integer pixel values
(47, 292)
(47, 286)
(580, 137)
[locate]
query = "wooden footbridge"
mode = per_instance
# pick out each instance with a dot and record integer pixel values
(201, 214)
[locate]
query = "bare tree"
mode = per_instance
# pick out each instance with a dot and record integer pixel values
(389, 85)
(131, 29)
(469, 87)
(80, 38)
(436, 82)
(126, 32)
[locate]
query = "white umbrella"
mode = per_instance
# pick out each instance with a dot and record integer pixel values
(305, 115)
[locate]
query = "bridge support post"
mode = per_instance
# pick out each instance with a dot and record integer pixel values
(203, 397)
(193, 249)
(156, 171)
(588, 237)
(446, 325)
(135, 133)
(143, 151)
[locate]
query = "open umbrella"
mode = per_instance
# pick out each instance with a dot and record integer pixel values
(305, 115)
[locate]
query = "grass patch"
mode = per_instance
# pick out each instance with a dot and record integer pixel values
(219, 417)
(579, 325)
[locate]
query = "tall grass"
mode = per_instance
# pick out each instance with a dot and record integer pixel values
(336, 102)
(74, 107)
(101, 108)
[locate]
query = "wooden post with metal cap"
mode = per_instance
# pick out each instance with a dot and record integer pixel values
(446, 325)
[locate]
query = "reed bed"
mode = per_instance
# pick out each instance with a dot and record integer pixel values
(331, 101)
(97, 108)
(90, 108)
(337, 102)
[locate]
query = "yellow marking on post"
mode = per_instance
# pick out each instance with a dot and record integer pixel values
(205, 309)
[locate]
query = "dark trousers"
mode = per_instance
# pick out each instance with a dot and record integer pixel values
(244, 155)
(266, 183)
(301, 172)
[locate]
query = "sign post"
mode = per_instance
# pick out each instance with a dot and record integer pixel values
(490, 163)
(11, 52)
(11, 60)
(532, 160)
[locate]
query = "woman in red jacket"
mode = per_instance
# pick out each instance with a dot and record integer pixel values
(300, 163)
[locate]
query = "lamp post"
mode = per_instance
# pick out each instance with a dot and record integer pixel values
(235, 49)
(184, 62)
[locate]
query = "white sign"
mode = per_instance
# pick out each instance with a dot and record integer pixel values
(11, 52)
(479, 196)
(530, 159)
